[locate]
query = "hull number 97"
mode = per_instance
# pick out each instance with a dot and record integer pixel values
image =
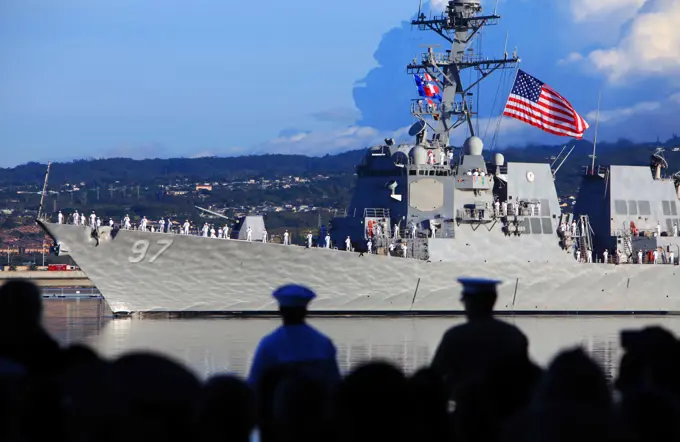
(141, 247)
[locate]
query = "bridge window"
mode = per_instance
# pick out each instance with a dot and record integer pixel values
(546, 223)
(545, 209)
(645, 208)
(674, 210)
(536, 225)
(632, 208)
(620, 207)
(527, 226)
(666, 206)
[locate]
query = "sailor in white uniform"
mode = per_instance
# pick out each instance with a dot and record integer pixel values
(264, 235)
(186, 226)
(76, 218)
(578, 255)
(639, 256)
(573, 228)
(309, 240)
(249, 234)
(126, 222)
(285, 238)
(497, 208)
(161, 225)
(369, 246)
(83, 219)
(504, 208)
(60, 218)
(328, 241)
(658, 229)
(605, 255)
(220, 233)
(348, 244)
(675, 229)
(206, 228)
(295, 344)
(538, 208)
(225, 230)
(589, 255)
(413, 230)
(391, 248)
(93, 219)
(142, 224)
(213, 233)
(450, 155)
(442, 156)
(378, 230)
(655, 255)
(396, 231)
(671, 257)
(433, 227)
(404, 249)
(110, 222)
(99, 222)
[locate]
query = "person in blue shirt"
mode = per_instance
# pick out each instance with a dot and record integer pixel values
(295, 345)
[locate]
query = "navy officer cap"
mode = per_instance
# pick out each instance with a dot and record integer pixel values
(293, 295)
(474, 286)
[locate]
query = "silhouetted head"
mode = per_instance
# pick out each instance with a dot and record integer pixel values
(20, 304)
(373, 403)
(574, 377)
(293, 300)
(157, 397)
(226, 409)
(478, 296)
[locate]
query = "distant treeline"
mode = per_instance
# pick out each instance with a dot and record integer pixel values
(164, 171)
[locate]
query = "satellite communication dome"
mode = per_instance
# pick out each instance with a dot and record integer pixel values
(418, 155)
(498, 159)
(473, 146)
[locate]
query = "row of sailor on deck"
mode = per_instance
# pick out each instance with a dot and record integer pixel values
(663, 255)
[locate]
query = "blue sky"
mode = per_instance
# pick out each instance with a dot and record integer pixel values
(83, 78)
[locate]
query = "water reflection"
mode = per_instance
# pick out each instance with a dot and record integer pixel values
(227, 344)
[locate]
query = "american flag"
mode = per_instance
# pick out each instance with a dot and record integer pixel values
(536, 103)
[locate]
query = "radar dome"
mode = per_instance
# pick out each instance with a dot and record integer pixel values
(418, 155)
(498, 159)
(473, 146)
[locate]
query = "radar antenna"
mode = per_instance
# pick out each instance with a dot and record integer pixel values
(460, 23)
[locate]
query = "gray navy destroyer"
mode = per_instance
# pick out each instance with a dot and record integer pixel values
(432, 213)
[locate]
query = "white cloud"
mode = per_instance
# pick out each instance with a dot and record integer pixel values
(583, 10)
(651, 44)
(574, 57)
(675, 98)
(623, 113)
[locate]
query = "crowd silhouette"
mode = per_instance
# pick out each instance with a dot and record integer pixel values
(481, 386)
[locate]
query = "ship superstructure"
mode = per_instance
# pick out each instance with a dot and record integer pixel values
(440, 202)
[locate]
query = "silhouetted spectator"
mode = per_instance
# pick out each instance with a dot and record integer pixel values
(226, 410)
(296, 344)
(373, 405)
(157, 399)
(22, 337)
(649, 385)
(428, 401)
(300, 409)
(469, 350)
(572, 403)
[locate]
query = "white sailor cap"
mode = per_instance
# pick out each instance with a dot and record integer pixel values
(293, 295)
(473, 286)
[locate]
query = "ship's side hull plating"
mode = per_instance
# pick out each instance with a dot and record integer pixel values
(143, 271)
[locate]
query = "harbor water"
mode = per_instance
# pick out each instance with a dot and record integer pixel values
(211, 345)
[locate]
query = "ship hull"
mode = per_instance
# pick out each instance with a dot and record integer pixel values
(140, 271)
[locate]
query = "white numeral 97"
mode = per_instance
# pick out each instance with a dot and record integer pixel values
(140, 247)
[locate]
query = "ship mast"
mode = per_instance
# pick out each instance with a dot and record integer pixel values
(460, 23)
